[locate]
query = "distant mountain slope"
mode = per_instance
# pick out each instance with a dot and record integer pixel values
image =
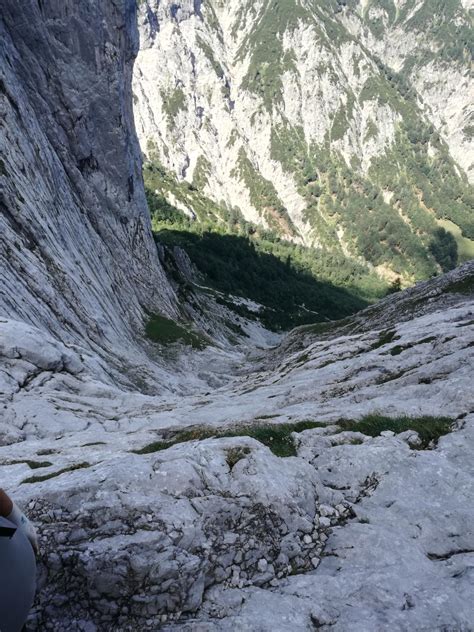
(341, 125)
(431, 43)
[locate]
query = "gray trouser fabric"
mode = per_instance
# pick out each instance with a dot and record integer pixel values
(17, 578)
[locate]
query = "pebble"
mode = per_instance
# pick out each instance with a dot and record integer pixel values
(326, 510)
(262, 565)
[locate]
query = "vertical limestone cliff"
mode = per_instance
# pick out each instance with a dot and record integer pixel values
(76, 252)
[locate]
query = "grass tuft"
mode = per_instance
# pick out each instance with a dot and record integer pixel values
(234, 455)
(39, 479)
(278, 437)
(430, 429)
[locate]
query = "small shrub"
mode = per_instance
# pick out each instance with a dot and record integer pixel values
(234, 455)
(398, 349)
(444, 249)
(33, 465)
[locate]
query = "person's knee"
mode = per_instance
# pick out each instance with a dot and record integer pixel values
(18, 543)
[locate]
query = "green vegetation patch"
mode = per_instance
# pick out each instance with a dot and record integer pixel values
(372, 130)
(342, 119)
(398, 349)
(208, 52)
(444, 249)
(263, 195)
(268, 61)
(394, 234)
(173, 103)
(385, 338)
(201, 172)
(165, 331)
(430, 429)
(449, 25)
(465, 246)
(159, 183)
(277, 437)
(429, 188)
(33, 465)
(276, 274)
(72, 468)
(232, 252)
(324, 327)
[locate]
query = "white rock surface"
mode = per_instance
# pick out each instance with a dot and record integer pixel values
(221, 534)
(406, 560)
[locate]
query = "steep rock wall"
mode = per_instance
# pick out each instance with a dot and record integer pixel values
(76, 250)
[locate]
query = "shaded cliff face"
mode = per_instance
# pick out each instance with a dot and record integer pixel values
(337, 124)
(76, 251)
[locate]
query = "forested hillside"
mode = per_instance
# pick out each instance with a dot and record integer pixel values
(339, 126)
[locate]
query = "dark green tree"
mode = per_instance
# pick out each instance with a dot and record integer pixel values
(444, 249)
(395, 286)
